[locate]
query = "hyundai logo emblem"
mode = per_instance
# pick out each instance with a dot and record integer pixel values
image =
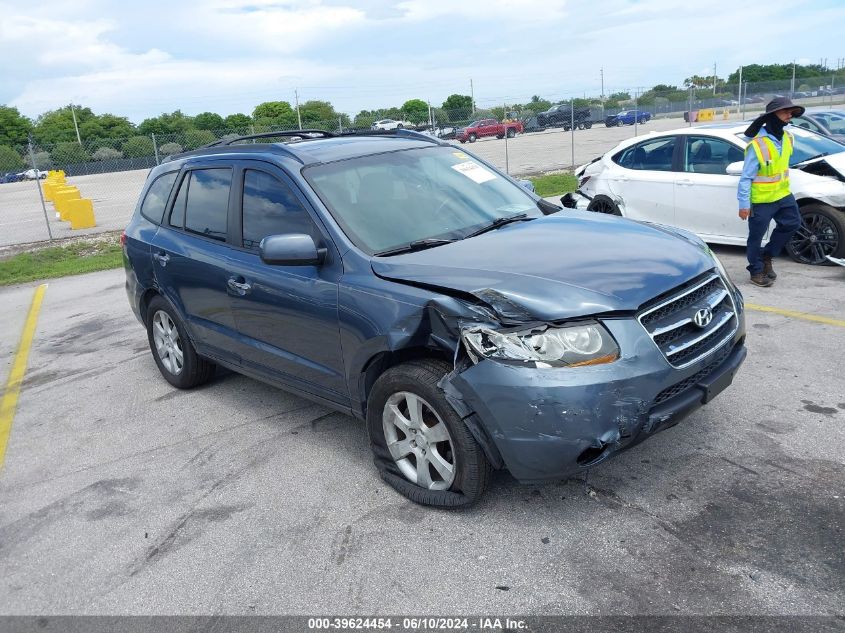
(703, 317)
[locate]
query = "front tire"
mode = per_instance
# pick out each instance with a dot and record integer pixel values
(472, 138)
(822, 233)
(511, 132)
(172, 350)
(421, 446)
(603, 204)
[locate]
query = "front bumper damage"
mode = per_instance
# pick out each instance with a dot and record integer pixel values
(547, 424)
(575, 200)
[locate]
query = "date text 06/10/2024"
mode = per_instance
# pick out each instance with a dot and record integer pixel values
(481, 624)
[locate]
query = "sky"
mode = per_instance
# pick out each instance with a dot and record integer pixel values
(140, 59)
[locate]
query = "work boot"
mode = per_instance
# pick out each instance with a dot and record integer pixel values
(768, 270)
(761, 279)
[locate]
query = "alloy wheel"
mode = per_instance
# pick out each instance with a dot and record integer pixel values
(817, 238)
(419, 441)
(168, 344)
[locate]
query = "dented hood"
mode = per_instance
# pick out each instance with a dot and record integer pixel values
(835, 161)
(557, 267)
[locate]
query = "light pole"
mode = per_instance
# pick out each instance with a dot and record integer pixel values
(75, 126)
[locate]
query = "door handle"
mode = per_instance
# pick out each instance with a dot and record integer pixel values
(162, 258)
(239, 285)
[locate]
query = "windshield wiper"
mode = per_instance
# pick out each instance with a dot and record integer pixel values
(495, 224)
(416, 245)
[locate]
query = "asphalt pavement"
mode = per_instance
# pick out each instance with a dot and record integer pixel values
(122, 495)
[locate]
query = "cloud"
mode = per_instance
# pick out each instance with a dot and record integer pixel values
(140, 59)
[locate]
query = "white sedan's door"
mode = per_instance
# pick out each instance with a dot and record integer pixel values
(644, 181)
(705, 196)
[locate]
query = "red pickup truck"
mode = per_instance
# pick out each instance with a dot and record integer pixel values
(488, 127)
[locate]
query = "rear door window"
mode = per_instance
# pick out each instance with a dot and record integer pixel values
(710, 155)
(154, 202)
(270, 207)
(207, 202)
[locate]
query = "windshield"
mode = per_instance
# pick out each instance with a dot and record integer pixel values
(808, 145)
(389, 200)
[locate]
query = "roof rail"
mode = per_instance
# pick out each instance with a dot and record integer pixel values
(292, 133)
(394, 132)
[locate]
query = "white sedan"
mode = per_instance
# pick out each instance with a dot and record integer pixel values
(391, 124)
(32, 174)
(688, 178)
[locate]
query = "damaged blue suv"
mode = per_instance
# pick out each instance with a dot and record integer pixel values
(403, 281)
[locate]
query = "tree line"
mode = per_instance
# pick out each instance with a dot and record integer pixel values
(108, 136)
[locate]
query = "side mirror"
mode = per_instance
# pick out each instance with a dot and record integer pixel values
(734, 169)
(294, 249)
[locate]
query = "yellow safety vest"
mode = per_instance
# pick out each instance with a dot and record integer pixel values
(772, 180)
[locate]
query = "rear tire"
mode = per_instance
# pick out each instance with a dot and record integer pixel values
(511, 132)
(172, 350)
(603, 204)
(588, 124)
(822, 233)
(421, 446)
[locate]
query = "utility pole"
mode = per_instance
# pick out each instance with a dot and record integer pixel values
(472, 96)
(601, 71)
(298, 117)
(75, 126)
(739, 91)
(792, 85)
(714, 79)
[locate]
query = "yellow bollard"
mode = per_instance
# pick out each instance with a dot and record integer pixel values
(61, 195)
(80, 213)
(50, 184)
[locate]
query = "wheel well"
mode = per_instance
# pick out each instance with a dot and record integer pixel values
(145, 303)
(806, 202)
(383, 361)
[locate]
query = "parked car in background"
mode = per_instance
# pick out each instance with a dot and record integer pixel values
(688, 178)
(413, 286)
(391, 124)
(10, 177)
(627, 117)
(563, 115)
(827, 122)
(488, 127)
(32, 174)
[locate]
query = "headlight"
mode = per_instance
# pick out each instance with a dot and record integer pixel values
(721, 268)
(576, 345)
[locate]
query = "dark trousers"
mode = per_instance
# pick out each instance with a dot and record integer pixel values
(787, 220)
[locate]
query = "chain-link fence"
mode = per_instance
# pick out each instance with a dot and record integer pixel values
(111, 171)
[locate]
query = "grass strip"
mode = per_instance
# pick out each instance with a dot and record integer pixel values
(554, 184)
(59, 261)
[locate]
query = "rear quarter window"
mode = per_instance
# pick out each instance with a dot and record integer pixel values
(152, 208)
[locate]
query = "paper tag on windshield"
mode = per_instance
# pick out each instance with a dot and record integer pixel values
(474, 171)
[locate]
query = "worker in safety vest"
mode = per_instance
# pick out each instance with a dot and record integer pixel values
(763, 192)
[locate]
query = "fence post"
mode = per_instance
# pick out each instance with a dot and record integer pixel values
(38, 186)
(155, 148)
(505, 118)
(572, 129)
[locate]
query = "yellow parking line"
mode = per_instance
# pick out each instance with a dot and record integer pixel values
(796, 315)
(13, 384)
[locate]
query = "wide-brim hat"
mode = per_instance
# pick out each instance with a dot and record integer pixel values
(784, 103)
(778, 103)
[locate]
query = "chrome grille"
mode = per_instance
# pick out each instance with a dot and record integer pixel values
(671, 320)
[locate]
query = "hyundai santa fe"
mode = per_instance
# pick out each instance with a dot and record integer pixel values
(409, 284)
